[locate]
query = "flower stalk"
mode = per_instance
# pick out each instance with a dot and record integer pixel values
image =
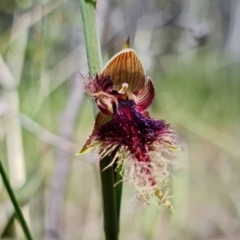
(111, 195)
(125, 135)
(14, 201)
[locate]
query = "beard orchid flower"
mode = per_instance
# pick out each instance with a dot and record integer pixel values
(145, 146)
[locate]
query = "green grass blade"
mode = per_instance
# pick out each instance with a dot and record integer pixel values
(15, 204)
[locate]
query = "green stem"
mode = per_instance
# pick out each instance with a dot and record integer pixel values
(15, 204)
(110, 212)
(118, 190)
(88, 10)
(111, 205)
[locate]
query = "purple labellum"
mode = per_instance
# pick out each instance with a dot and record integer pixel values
(132, 130)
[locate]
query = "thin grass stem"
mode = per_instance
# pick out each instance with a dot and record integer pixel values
(14, 201)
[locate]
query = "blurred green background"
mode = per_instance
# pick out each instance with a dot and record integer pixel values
(191, 50)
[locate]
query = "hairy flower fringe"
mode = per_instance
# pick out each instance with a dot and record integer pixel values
(155, 169)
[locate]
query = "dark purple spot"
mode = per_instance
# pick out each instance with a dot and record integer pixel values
(131, 129)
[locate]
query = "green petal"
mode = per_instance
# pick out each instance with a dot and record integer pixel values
(85, 149)
(101, 119)
(126, 67)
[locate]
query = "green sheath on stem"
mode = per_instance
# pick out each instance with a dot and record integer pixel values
(111, 195)
(15, 204)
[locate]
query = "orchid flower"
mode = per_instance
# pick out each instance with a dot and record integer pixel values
(145, 146)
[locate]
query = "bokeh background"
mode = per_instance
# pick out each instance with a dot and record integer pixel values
(191, 50)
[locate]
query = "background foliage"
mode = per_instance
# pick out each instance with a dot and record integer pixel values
(189, 48)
